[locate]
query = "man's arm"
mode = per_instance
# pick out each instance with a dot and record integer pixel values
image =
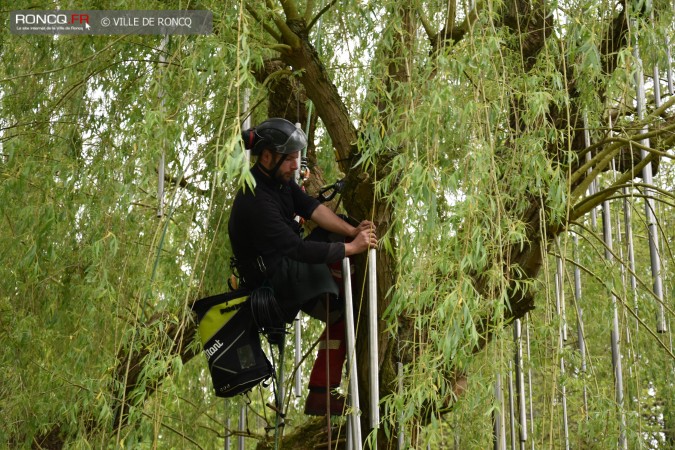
(329, 221)
(363, 236)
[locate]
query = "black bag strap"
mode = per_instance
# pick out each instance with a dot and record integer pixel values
(202, 305)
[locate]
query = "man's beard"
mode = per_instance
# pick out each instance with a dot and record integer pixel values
(282, 179)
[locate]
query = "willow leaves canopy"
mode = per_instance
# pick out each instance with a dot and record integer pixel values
(459, 129)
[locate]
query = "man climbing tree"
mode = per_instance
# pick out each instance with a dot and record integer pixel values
(270, 253)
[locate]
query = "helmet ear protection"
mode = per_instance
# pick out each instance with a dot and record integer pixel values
(248, 136)
(275, 134)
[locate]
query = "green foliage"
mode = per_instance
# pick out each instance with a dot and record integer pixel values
(461, 145)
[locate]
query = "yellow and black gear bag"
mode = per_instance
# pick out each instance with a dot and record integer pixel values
(231, 343)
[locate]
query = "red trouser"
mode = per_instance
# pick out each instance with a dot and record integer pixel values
(327, 370)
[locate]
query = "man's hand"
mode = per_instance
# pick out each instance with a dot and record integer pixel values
(364, 237)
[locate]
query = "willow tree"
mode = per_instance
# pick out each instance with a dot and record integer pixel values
(458, 129)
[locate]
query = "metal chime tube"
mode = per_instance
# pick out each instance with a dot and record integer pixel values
(512, 414)
(559, 296)
(242, 426)
(619, 243)
(628, 231)
(351, 356)
(297, 323)
(401, 437)
(649, 201)
(566, 427)
(669, 59)
(349, 444)
(520, 381)
(616, 352)
(656, 77)
(592, 188)
(580, 318)
(227, 433)
(372, 340)
(498, 431)
(297, 387)
(529, 378)
(161, 164)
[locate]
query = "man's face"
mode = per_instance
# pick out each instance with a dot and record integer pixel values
(287, 169)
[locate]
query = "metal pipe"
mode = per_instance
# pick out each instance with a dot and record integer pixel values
(656, 76)
(650, 217)
(616, 352)
(349, 443)
(297, 387)
(592, 188)
(529, 378)
(581, 336)
(401, 438)
(558, 294)
(351, 356)
(246, 124)
(161, 168)
(669, 58)
(628, 233)
(372, 340)
(512, 418)
(227, 432)
(628, 230)
(566, 428)
(498, 430)
(520, 379)
(242, 426)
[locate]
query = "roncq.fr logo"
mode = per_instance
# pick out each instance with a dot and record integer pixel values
(51, 19)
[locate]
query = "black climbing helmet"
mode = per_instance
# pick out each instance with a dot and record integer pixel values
(276, 133)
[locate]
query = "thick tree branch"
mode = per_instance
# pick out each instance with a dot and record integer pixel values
(290, 9)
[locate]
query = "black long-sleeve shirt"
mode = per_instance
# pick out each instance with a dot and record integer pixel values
(262, 224)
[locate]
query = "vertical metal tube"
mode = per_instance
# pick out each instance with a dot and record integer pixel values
(560, 293)
(280, 392)
(401, 437)
(592, 188)
(247, 124)
(581, 336)
(628, 230)
(498, 431)
(351, 356)
(649, 199)
(512, 414)
(297, 325)
(529, 379)
(372, 340)
(161, 164)
(559, 287)
(669, 59)
(227, 432)
(242, 426)
(628, 233)
(520, 379)
(656, 76)
(298, 125)
(349, 444)
(616, 352)
(566, 427)
(160, 186)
